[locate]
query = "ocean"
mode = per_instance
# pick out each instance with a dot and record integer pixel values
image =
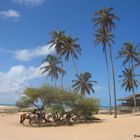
(101, 107)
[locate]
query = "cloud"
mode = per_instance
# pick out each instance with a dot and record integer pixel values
(17, 78)
(100, 88)
(31, 3)
(14, 81)
(29, 54)
(12, 14)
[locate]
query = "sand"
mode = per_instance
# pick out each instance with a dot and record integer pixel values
(122, 128)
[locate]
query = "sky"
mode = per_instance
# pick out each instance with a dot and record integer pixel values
(25, 27)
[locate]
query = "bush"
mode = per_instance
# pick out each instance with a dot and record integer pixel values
(24, 102)
(86, 107)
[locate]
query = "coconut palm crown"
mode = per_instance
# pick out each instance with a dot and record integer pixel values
(83, 84)
(104, 38)
(71, 49)
(105, 18)
(57, 41)
(130, 53)
(52, 67)
(129, 81)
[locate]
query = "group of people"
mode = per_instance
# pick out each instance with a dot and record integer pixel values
(36, 116)
(38, 112)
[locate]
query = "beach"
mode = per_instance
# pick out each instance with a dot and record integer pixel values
(122, 128)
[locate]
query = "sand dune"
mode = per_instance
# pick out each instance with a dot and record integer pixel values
(122, 128)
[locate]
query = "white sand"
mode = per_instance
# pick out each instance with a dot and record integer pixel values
(122, 128)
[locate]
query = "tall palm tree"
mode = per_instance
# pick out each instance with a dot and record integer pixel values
(71, 49)
(52, 67)
(130, 82)
(104, 21)
(105, 38)
(83, 84)
(130, 53)
(57, 42)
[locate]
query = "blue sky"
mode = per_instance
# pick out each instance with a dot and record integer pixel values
(24, 33)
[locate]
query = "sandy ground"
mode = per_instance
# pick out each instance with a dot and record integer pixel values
(122, 128)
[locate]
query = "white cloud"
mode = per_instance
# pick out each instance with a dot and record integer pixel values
(29, 54)
(13, 82)
(13, 14)
(100, 88)
(17, 78)
(29, 2)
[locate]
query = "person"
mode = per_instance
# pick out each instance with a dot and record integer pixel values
(34, 111)
(38, 112)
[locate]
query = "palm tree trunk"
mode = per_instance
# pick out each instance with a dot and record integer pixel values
(109, 93)
(52, 81)
(74, 64)
(114, 84)
(62, 76)
(134, 98)
(55, 82)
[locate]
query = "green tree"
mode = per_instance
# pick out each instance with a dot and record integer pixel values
(60, 103)
(129, 82)
(32, 97)
(83, 83)
(52, 67)
(104, 21)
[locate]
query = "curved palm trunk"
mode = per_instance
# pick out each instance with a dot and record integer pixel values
(109, 93)
(134, 98)
(52, 81)
(55, 83)
(114, 84)
(62, 76)
(74, 65)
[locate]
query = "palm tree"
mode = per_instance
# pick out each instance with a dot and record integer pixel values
(130, 53)
(129, 82)
(57, 42)
(71, 49)
(104, 38)
(52, 67)
(83, 84)
(104, 20)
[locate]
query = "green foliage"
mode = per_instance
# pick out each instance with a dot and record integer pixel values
(24, 102)
(86, 106)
